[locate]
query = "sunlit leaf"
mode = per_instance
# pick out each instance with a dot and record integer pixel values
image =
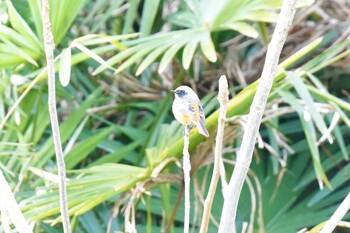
(243, 28)
(93, 55)
(65, 67)
(151, 57)
(150, 8)
(207, 47)
(310, 134)
(306, 96)
(130, 16)
(22, 27)
(188, 53)
(168, 56)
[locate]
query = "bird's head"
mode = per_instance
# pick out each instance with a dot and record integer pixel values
(183, 92)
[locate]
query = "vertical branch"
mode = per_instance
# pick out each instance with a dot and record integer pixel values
(337, 216)
(244, 158)
(49, 45)
(223, 99)
(187, 169)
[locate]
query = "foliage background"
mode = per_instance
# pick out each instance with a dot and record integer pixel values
(118, 60)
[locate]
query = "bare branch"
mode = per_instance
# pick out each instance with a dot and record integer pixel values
(223, 99)
(244, 158)
(187, 169)
(49, 45)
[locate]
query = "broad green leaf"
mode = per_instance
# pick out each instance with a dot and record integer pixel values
(188, 52)
(192, 4)
(341, 178)
(337, 133)
(117, 155)
(305, 95)
(66, 128)
(65, 67)
(169, 54)
(327, 165)
(331, 61)
(89, 188)
(91, 222)
(35, 9)
(22, 27)
(243, 28)
(85, 147)
(98, 39)
(151, 57)
(94, 10)
(149, 11)
(263, 32)
(165, 190)
(62, 15)
(329, 98)
(262, 16)
(184, 19)
(115, 59)
(340, 141)
(16, 38)
(93, 55)
(9, 59)
(343, 115)
(107, 14)
(301, 53)
(136, 57)
(9, 47)
(318, 62)
(310, 134)
(130, 16)
(136, 134)
(140, 47)
(207, 47)
(156, 38)
(276, 4)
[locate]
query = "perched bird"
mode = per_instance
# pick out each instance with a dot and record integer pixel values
(188, 110)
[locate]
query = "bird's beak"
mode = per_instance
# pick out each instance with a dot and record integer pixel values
(173, 91)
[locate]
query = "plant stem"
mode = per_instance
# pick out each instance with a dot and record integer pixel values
(187, 168)
(337, 216)
(49, 45)
(244, 157)
(223, 99)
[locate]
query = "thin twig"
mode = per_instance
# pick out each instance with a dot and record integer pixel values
(187, 169)
(176, 206)
(223, 99)
(49, 45)
(9, 206)
(253, 204)
(337, 216)
(244, 158)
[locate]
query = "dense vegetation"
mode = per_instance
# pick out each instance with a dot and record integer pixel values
(117, 61)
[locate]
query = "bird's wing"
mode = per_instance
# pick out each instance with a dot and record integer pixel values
(201, 112)
(196, 110)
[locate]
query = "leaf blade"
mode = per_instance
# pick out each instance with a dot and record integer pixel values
(65, 67)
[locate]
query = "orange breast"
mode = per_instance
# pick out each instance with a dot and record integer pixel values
(183, 119)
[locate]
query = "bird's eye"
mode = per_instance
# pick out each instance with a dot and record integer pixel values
(181, 93)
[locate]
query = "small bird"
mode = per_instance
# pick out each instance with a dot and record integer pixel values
(188, 110)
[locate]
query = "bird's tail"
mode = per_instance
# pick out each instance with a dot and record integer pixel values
(201, 128)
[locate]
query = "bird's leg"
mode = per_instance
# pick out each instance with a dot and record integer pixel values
(188, 130)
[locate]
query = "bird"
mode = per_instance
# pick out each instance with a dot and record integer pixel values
(187, 109)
